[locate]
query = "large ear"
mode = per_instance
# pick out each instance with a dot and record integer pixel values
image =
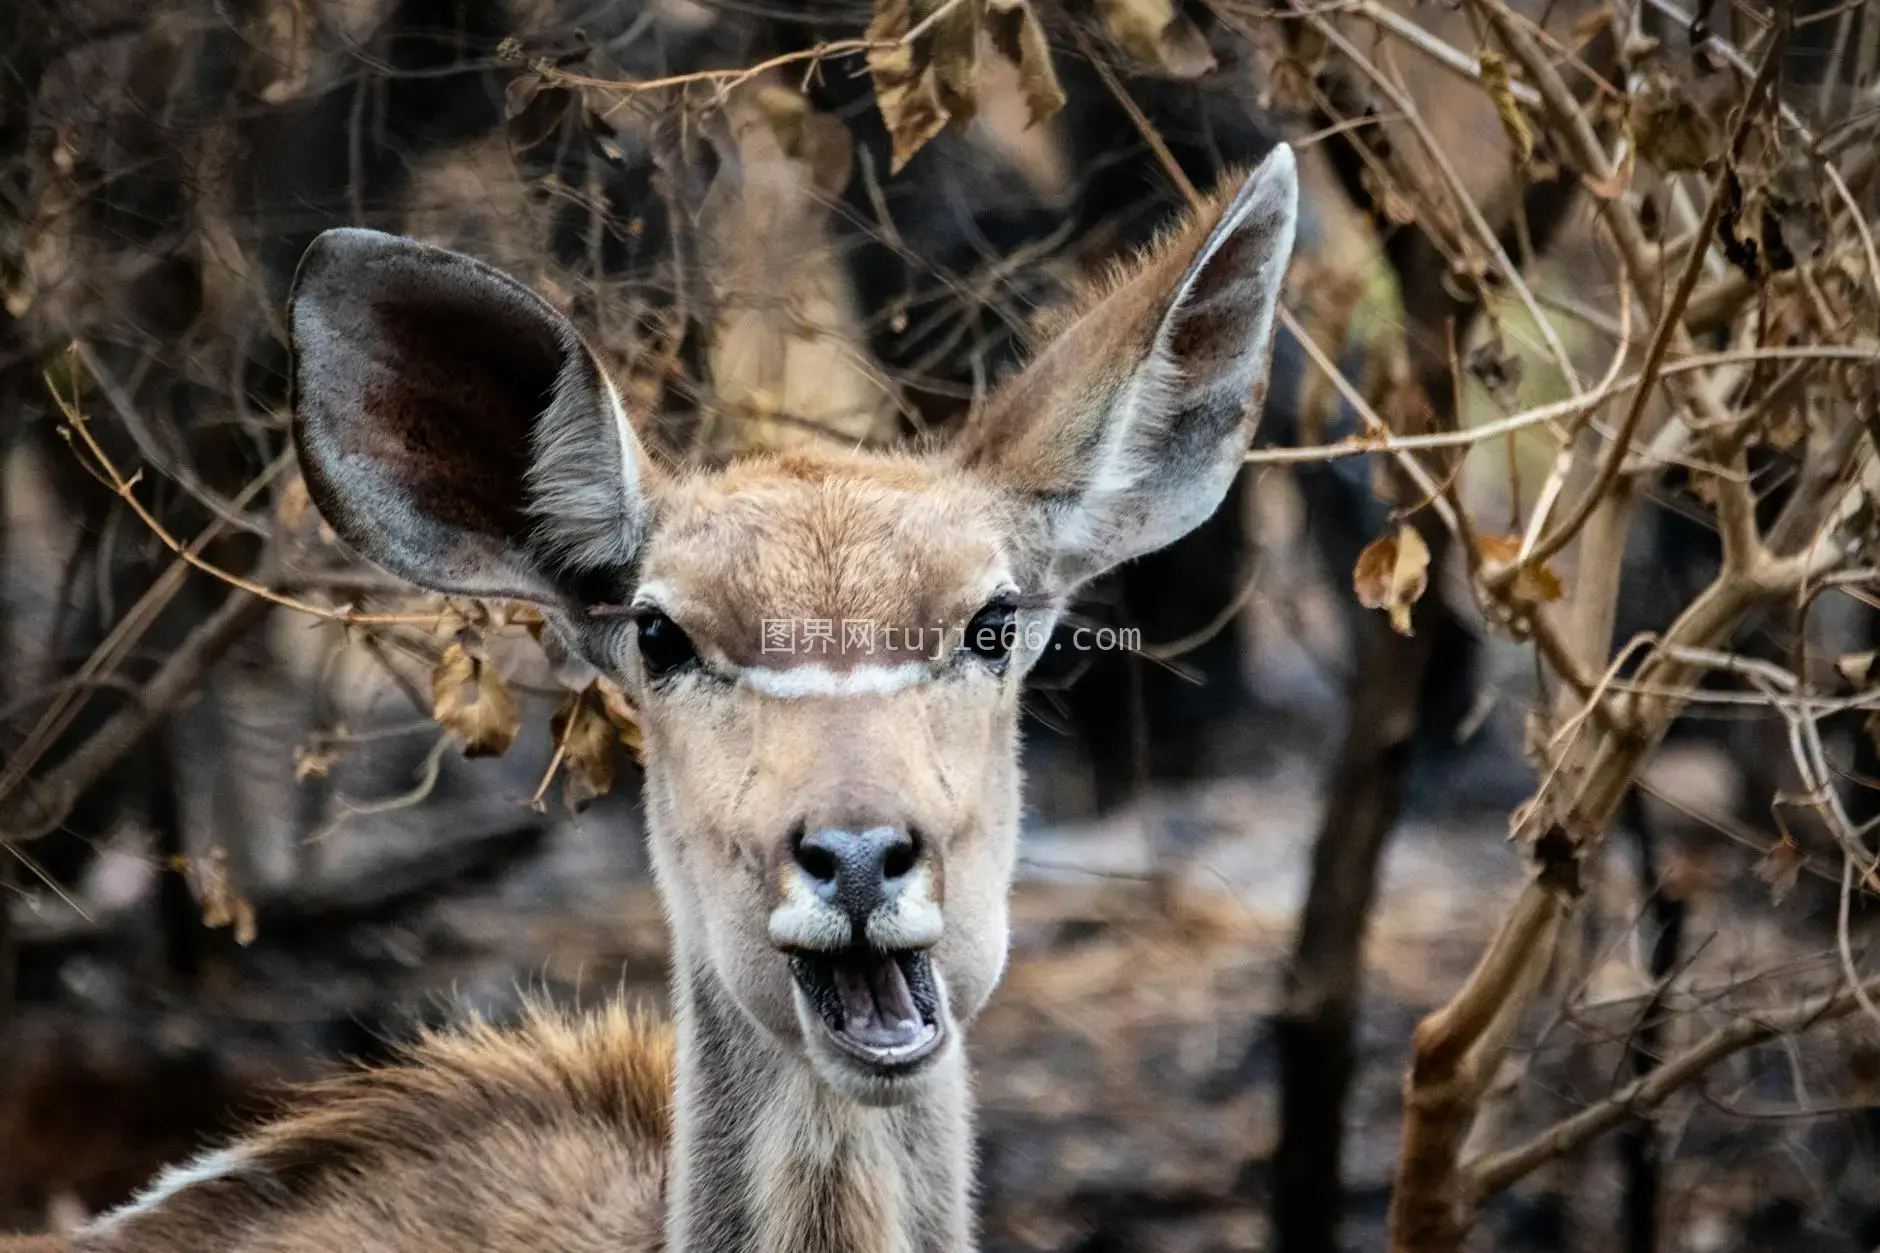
(453, 427)
(1126, 431)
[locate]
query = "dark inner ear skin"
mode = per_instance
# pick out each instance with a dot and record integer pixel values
(449, 421)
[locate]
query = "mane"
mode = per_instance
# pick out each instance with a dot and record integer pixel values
(616, 1063)
(612, 1069)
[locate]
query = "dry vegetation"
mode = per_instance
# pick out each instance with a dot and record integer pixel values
(1575, 269)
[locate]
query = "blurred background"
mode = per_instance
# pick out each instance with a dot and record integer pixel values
(244, 841)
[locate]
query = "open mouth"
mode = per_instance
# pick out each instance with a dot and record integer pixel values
(882, 1009)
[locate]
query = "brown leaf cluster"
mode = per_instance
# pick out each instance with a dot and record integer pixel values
(1156, 36)
(924, 59)
(1781, 867)
(587, 728)
(1533, 584)
(1392, 574)
(222, 905)
(1499, 85)
(471, 700)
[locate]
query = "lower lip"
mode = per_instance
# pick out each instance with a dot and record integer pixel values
(882, 1064)
(890, 1064)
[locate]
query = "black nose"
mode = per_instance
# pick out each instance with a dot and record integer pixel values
(857, 871)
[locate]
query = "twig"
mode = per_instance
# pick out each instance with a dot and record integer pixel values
(127, 412)
(178, 679)
(1670, 327)
(1502, 1169)
(727, 79)
(117, 644)
(1556, 411)
(1459, 194)
(1444, 54)
(1138, 118)
(1433, 493)
(124, 487)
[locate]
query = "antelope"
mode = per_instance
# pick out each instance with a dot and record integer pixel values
(833, 829)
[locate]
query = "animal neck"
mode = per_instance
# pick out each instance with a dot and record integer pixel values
(766, 1158)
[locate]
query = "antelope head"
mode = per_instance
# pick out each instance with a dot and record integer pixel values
(826, 649)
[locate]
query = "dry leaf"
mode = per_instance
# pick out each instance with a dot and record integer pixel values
(586, 738)
(1496, 369)
(533, 110)
(1500, 88)
(222, 906)
(1669, 128)
(1780, 867)
(622, 714)
(921, 84)
(314, 759)
(1019, 37)
(1855, 667)
(291, 508)
(1153, 33)
(905, 94)
(1392, 573)
(1740, 226)
(1534, 585)
(469, 698)
(1785, 427)
(953, 43)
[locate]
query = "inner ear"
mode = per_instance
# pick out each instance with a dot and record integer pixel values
(1124, 434)
(447, 416)
(452, 425)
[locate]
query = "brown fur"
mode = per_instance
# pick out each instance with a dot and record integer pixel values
(563, 1123)
(824, 534)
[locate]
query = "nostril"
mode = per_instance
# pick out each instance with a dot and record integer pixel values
(900, 858)
(817, 861)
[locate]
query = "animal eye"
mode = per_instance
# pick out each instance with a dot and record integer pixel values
(992, 632)
(664, 648)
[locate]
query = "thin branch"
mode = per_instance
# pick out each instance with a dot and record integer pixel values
(125, 487)
(176, 681)
(1670, 328)
(1505, 1168)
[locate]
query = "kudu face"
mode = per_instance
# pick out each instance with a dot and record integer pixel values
(826, 649)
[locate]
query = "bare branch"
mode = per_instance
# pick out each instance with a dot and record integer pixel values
(1499, 1170)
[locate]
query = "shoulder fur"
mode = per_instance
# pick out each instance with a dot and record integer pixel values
(546, 1136)
(615, 1065)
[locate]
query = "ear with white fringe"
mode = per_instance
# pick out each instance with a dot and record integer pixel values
(453, 427)
(1127, 430)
